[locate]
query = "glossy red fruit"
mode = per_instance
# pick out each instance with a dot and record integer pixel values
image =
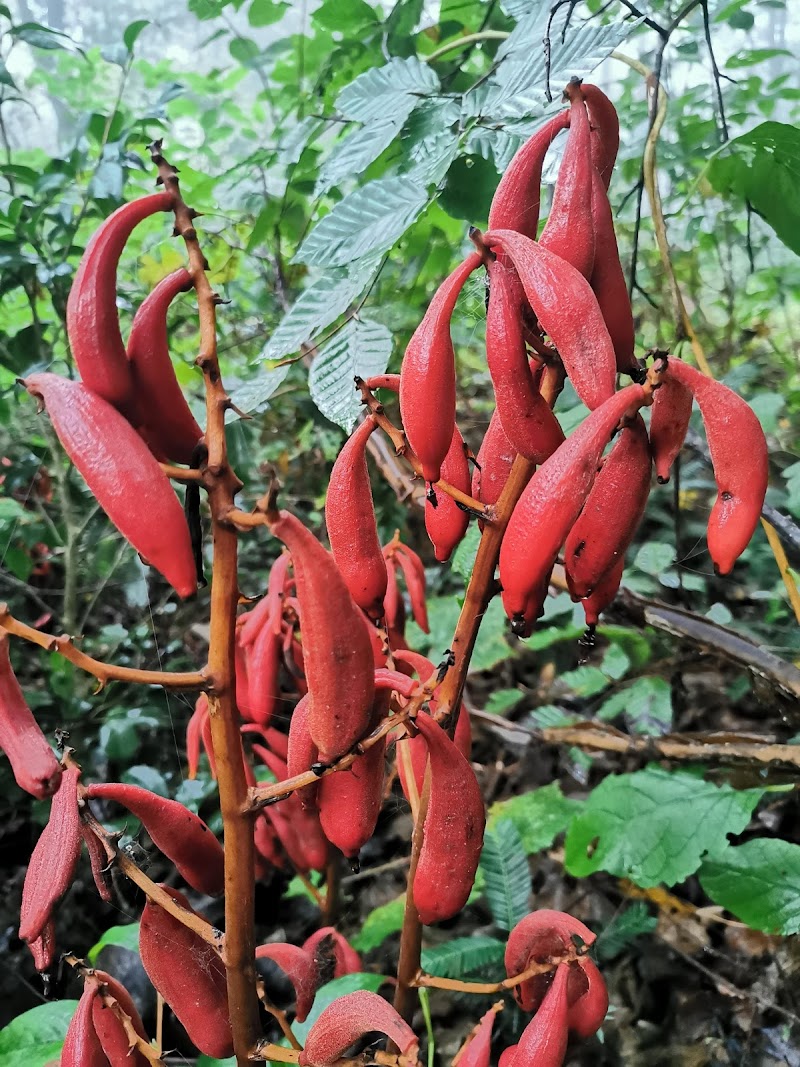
(99, 861)
(300, 968)
(347, 1019)
(604, 592)
(33, 762)
(428, 376)
(123, 474)
(669, 421)
(92, 317)
(445, 522)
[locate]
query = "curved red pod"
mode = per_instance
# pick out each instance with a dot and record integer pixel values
(587, 1013)
(299, 967)
(669, 422)
(263, 671)
(302, 753)
(446, 523)
(301, 832)
(528, 422)
(268, 611)
(99, 862)
(568, 311)
(549, 506)
(328, 946)
(189, 975)
(605, 130)
(453, 829)
(110, 1031)
(33, 762)
(81, 1044)
(43, 949)
(544, 1039)
(394, 609)
(347, 1019)
(428, 376)
(604, 592)
(267, 842)
(350, 801)
(507, 1056)
(516, 202)
(419, 751)
(612, 512)
(414, 575)
(740, 459)
(275, 741)
(535, 939)
(494, 462)
(569, 230)
(123, 474)
(476, 1051)
(181, 835)
(350, 520)
(92, 317)
(53, 861)
(158, 398)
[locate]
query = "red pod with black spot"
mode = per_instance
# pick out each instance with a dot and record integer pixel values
(300, 968)
(347, 1019)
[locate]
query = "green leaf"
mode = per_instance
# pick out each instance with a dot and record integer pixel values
(122, 936)
(463, 955)
(502, 700)
(147, 777)
(539, 816)
(252, 396)
(586, 681)
(361, 349)
(34, 1038)
(492, 646)
(298, 888)
(507, 875)
(763, 167)
(759, 882)
(654, 557)
(353, 154)
(368, 220)
(209, 1061)
(339, 987)
(395, 89)
(266, 12)
(624, 928)
(132, 31)
(654, 826)
(464, 555)
(646, 704)
(382, 922)
(38, 36)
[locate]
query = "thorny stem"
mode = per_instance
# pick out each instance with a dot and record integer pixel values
(222, 484)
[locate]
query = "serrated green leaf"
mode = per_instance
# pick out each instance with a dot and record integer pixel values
(121, 936)
(34, 1038)
(646, 704)
(539, 816)
(367, 221)
(354, 152)
(252, 396)
(293, 143)
(502, 700)
(360, 348)
(623, 929)
(654, 826)
(462, 956)
(382, 922)
(758, 882)
(506, 873)
(464, 555)
(393, 89)
(586, 681)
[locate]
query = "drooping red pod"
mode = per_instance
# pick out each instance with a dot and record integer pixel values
(669, 421)
(263, 670)
(268, 610)
(544, 1039)
(612, 512)
(242, 678)
(494, 461)
(604, 592)
(43, 949)
(549, 506)
(99, 861)
(302, 752)
(507, 1056)
(194, 732)
(304, 822)
(54, 859)
(158, 398)
(181, 835)
(332, 952)
(569, 230)
(604, 121)
(537, 938)
(394, 607)
(445, 522)
(123, 475)
(111, 1033)
(189, 975)
(275, 741)
(347, 1019)
(428, 376)
(528, 422)
(350, 520)
(299, 967)
(453, 829)
(81, 1044)
(337, 645)
(267, 843)
(33, 762)
(414, 574)
(568, 311)
(608, 281)
(92, 317)
(476, 1051)
(587, 1013)
(515, 204)
(349, 801)
(740, 459)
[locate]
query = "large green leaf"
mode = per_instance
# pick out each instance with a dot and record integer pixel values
(655, 826)
(763, 167)
(463, 955)
(253, 395)
(394, 89)
(122, 936)
(506, 873)
(360, 348)
(35, 1038)
(539, 816)
(759, 882)
(354, 153)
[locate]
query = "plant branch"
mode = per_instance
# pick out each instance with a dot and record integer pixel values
(455, 985)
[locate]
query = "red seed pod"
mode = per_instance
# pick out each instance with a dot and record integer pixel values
(605, 131)
(421, 665)
(299, 967)
(157, 396)
(274, 740)
(194, 729)
(419, 751)
(123, 474)
(43, 949)
(208, 743)
(33, 762)
(568, 311)
(515, 204)
(352, 530)
(267, 843)
(267, 611)
(612, 512)
(544, 1039)
(495, 459)
(604, 593)
(350, 801)
(54, 859)
(476, 1051)
(263, 671)
(740, 459)
(92, 318)
(507, 1056)
(446, 523)
(242, 678)
(99, 861)
(536, 939)
(669, 421)
(189, 975)
(302, 752)
(81, 1044)
(181, 835)
(549, 506)
(428, 377)
(414, 575)
(453, 830)
(347, 1019)
(608, 281)
(338, 649)
(393, 680)
(110, 1031)
(528, 422)
(304, 835)
(393, 607)
(569, 231)
(587, 1013)
(330, 948)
